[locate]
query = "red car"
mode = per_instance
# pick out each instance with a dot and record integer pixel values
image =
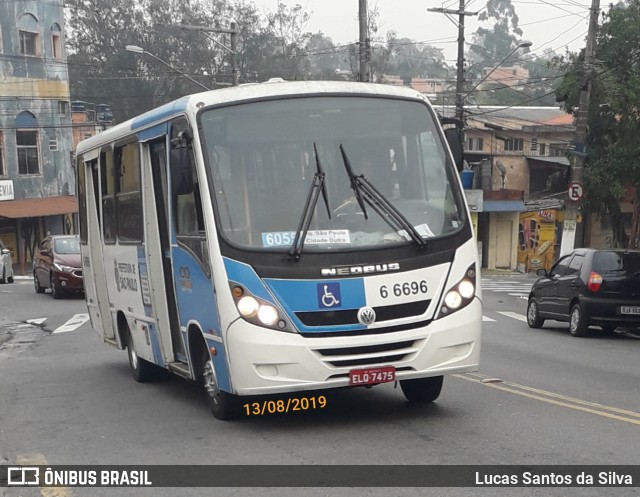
(57, 265)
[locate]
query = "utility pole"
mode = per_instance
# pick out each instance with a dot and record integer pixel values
(364, 40)
(233, 31)
(461, 13)
(234, 54)
(579, 152)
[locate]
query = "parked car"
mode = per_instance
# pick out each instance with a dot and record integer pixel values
(57, 265)
(6, 264)
(588, 286)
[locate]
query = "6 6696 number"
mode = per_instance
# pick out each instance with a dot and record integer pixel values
(406, 288)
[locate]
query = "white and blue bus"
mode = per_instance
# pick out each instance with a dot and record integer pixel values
(282, 237)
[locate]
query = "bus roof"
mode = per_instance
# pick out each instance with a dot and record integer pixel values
(237, 94)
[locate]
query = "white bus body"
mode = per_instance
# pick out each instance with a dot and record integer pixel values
(188, 217)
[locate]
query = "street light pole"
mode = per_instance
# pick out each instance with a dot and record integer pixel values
(139, 50)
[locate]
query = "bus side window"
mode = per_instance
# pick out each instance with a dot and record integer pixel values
(185, 195)
(108, 196)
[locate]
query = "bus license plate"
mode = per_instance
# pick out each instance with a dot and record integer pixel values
(372, 375)
(630, 309)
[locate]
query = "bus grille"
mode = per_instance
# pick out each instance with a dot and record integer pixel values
(368, 354)
(350, 316)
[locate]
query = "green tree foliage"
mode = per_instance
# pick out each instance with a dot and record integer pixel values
(274, 44)
(613, 144)
(491, 44)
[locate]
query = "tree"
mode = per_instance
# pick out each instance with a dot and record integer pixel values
(613, 146)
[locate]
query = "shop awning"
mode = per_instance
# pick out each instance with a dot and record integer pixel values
(38, 207)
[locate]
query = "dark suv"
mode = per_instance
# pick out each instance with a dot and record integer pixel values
(588, 286)
(57, 265)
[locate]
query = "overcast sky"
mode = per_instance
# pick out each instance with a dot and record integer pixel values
(552, 24)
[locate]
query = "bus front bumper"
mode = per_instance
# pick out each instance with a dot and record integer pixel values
(264, 361)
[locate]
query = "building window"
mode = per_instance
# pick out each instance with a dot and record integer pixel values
(557, 149)
(53, 144)
(542, 149)
(27, 148)
(514, 145)
(56, 42)
(28, 43)
(475, 144)
(63, 107)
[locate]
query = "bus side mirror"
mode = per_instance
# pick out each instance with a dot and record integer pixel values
(455, 144)
(181, 164)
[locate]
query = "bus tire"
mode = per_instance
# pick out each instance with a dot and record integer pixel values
(422, 390)
(223, 405)
(141, 370)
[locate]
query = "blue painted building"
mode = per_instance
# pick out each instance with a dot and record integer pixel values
(37, 185)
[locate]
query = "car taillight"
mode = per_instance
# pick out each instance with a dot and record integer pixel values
(595, 281)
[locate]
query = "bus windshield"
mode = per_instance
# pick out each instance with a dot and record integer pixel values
(264, 157)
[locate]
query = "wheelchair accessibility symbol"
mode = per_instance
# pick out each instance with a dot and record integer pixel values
(329, 295)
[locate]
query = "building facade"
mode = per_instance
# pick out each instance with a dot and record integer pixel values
(519, 157)
(37, 184)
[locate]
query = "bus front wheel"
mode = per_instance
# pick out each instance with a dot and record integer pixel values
(223, 405)
(422, 390)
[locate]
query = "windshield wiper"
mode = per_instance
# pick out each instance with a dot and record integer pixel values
(318, 185)
(364, 190)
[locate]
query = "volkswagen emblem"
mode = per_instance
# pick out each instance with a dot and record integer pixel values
(366, 315)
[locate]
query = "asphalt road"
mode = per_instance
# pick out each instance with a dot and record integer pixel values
(541, 397)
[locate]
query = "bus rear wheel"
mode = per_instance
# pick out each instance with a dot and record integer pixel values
(422, 390)
(142, 371)
(223, 405)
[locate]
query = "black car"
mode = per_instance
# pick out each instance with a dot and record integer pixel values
(588, 286)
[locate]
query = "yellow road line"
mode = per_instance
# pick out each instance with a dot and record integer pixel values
(578, 405)
(40, 460)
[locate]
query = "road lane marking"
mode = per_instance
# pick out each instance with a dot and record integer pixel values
(72, 324)
(513, 315)
(550, 398)
(40, 460)
(37, 321)
(485, 318)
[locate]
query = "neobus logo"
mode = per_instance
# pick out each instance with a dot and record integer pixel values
(351, 270)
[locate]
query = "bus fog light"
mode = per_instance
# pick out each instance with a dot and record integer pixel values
(453, 300)
(466, 289)
(267, 314)
(248, 306)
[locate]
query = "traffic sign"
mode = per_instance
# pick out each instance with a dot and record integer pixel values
(575, 191)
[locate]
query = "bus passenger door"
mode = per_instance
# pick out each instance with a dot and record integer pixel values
(94, 223)
(158, 155)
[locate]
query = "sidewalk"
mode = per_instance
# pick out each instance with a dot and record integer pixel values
(505, 272)
(28, 272)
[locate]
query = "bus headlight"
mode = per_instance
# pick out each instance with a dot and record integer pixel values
(460, 295)
(258, 311)
(267, 314)
(453, 300)
(248, 306)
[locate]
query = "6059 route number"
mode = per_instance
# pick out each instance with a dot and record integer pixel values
(406, 288)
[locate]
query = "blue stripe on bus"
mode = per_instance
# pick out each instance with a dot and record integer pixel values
(307, 296)
(162, 112)
(154, 132)
(245, 275)
(197, 302)
(158, 357)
